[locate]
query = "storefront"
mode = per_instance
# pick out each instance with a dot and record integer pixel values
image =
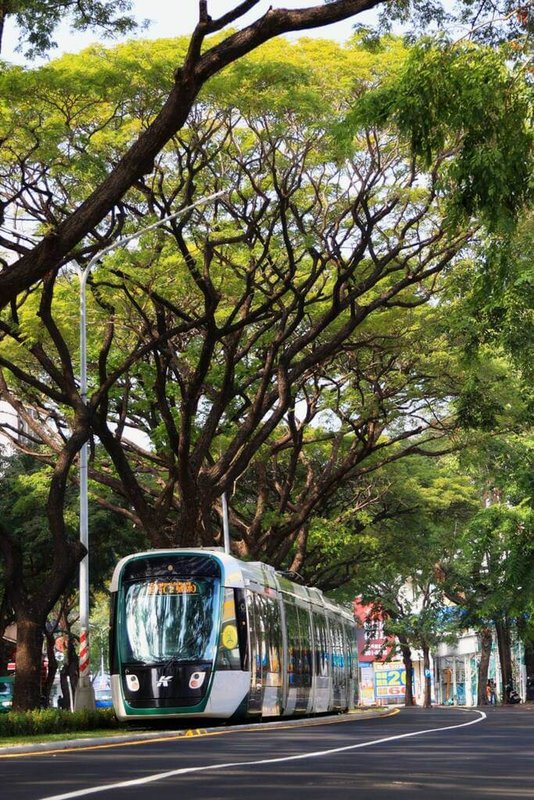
(456, 671)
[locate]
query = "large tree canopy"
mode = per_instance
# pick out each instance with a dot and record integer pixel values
(201, 62)
(282, 341)
(293, 305)
(285, 339)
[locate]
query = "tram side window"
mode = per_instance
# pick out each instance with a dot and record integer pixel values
(336, 641)
(262, 654)
(306, 645)
(322, 650)
(255, 646)
(298, 645)
(228, 655)
(265, 638)
(270, 611)
(347, 646)
(293, 643)
(242, 627)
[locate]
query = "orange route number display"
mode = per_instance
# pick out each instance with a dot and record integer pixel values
(172, 587)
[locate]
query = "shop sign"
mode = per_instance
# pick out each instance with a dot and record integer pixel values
(390, 681)
(373, 644)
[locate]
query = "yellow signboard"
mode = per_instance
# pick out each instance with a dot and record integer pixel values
(229, 637)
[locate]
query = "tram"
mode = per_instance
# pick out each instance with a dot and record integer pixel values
(198, 633)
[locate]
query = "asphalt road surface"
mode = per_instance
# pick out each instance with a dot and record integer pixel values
(433, 754)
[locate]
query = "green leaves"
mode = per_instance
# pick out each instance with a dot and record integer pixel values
(465, 113)
(37, 20)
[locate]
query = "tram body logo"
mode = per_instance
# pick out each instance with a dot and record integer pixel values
(164, 681)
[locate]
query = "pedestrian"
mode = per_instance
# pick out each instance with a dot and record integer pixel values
(491, 697)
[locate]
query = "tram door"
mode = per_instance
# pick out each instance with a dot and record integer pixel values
(265, 696)
(299, 657)
(339, 683)
(322, 666)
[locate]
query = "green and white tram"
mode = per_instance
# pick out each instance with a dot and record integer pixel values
(198, 633)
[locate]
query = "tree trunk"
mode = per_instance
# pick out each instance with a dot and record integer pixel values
(3, 15)
(486, 640)
(30, 632)
(502, 628)
(408, 666)
(52, 669)
(529, 664)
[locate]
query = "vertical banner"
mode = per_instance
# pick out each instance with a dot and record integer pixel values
(367, 685)
(373, 644)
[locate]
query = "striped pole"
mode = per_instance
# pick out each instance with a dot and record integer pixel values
(84, 661)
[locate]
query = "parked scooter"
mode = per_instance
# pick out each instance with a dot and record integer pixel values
(512, 696)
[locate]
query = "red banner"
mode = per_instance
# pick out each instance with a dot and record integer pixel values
(373, 644)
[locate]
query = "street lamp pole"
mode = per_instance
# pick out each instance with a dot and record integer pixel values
(84, 697)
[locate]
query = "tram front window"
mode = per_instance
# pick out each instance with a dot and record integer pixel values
(170, 619)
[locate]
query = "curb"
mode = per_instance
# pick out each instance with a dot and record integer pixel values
(114, 740)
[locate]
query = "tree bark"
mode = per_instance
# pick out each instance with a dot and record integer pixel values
(30, 632)
(408, 666)
(486, 640)
(48, 682)
(502, 629)
(3, 15)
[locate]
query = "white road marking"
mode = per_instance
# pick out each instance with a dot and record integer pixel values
(160, 776)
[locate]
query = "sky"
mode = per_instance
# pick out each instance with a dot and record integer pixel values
(170, 18)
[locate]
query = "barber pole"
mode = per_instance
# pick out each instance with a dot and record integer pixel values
(84, 697)
(84, 662)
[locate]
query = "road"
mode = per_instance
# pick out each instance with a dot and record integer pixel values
(442, 754)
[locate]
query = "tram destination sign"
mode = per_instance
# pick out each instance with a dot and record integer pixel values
(172, 587)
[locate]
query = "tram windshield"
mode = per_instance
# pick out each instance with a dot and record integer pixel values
(170, 619)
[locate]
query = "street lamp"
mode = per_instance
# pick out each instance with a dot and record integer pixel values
(84, 697)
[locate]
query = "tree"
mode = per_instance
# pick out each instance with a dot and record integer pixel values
(491, 575)
(417, 618)
(493, 307)
(30, 565)
(261, 328)
(300, 289)
(200, 64)
(493, 23)
(429, 500)
(37, 20)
